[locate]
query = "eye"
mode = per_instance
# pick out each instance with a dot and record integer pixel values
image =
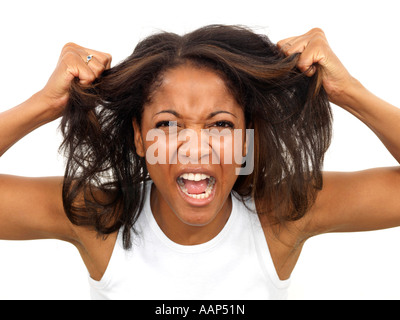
(224, 124)
(162, 124)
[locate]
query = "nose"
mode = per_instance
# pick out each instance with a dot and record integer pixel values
(193, 147)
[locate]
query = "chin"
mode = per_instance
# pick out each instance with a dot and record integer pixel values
(196, 219)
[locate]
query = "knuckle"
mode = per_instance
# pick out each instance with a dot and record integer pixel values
(109, 58)
(102, 68)
(303, 66)
(87, 79)
(280, 43)
(69, 56)
(291, 50)
(90, 75)
(105, 58)
(70, 43)
(318, 31)
(99, 70)
(68, 46)
(285, 47)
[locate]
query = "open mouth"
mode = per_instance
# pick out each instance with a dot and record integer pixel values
(196, 185)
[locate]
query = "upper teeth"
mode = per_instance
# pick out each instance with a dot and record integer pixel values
(194, 176)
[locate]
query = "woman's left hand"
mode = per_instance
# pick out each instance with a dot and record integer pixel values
(314, 49)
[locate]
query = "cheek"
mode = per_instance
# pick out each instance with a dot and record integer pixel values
(156, 147)
(229, 147)
(156, 152)
(158, 173)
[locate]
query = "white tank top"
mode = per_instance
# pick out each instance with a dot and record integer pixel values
(236, 264)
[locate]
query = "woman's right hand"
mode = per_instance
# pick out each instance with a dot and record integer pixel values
(72, 64)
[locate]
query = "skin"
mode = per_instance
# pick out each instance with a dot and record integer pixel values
(31, 208)
(183, 89)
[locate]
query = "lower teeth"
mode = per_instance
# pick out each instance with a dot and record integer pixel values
(203, 195)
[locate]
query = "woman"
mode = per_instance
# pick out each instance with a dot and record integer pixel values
(156, 207)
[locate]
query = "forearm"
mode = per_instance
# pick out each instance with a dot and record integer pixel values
(49, 103)
(381, 117)
(17, 122)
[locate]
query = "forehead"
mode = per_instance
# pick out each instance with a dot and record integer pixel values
(191, 88)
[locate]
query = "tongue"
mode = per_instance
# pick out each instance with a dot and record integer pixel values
(195, 187)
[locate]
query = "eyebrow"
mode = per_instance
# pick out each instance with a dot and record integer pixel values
(211, 115)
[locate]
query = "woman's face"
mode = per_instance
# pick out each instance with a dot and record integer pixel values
(187, 137)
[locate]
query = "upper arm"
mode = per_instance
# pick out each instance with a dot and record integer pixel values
(356, 201)
(32, 208)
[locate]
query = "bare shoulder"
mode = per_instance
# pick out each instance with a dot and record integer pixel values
(348, 202)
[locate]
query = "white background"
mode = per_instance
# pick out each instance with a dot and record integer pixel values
(364, 34)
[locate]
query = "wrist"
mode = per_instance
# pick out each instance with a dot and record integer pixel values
(352, 97)
(364, 105)
(37, 111)
(47, 107)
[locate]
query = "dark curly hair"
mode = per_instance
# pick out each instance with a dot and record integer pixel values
(289, 112)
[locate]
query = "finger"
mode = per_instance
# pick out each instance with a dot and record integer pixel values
(310, 71)
(297, 45)
(86, 76)
(75, 66)
(312, 54)
(101, 57)
(285, 44)
(96, 66)
(75, 59)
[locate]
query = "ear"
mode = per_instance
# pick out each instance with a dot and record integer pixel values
(138, 139)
